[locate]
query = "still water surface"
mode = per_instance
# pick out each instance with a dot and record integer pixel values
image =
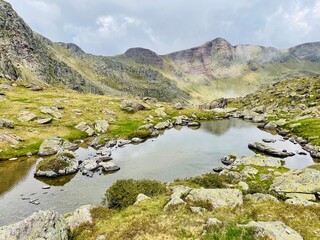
(177, 153)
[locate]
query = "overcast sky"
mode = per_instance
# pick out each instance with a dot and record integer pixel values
(109, 27)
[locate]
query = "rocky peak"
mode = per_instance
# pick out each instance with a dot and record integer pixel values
(71, 47)
(144, 56)
(307, 52)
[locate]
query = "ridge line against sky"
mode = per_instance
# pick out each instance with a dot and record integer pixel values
(110, 27)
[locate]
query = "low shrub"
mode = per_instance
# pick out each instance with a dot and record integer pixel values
(123, 193)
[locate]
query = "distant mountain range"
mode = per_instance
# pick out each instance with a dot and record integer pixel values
(214, 69)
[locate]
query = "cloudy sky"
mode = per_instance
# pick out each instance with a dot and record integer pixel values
(109, 27)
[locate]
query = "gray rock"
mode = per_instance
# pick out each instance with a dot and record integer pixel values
(213, 222)
(10, 138)
(163, 125)
(123, 142)
(52, 111)
(44, 120)
(40, 225)
(271, 125)
(193, 124)
(224, 110)
(84, 127)
(56, 144)
(267, 140)
(161, 112)
(244, 186)
(181, 120)
(306, 196)
(136, 140)
(132, 106)
(109, 166)
(273, 230)
(260, 147)
(260, 197)
(174, 202)
(259, 119)
(300, 202)
(70, 165)
(179, 191)
(79, 216)
(26, 116)
(264, 177)
(178, 106)
(111, 143)
(297, 181)
(101, 126)
(217, 197)
(5, 123)
(141, 197)
(248, 171)
(260, 160)
(198, 210)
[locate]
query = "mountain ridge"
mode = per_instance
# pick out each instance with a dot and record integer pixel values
(212, 70)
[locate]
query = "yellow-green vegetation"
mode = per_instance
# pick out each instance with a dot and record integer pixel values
(148, 220)
(75, 108)
(54, 163)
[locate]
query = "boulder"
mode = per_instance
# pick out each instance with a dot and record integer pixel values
(300, 202)
(273, 230)
(243, 185)
(79, 216)
(297, 181)
(136, 140)
(161, 112)
(260, 160)
(10, 138)
(174, 202)
(181, 120)
(101, 126)
(53, 145)
(5, 123)
(213, 222)
(40, 225)
(163, 125)
(259, 119)
(109, 166)
(44, 120)
(93, 163)
(141, 197)
(248, 171)
(179, 191)
(84, 127)
(26, 116)
(193, 124)
(218, 103)
(132, 106)
(52, 111)
(63, 163)
(123, 142)
(178, 106)
(260, 147)
(260, 197)
(217, 197)
(271, 125)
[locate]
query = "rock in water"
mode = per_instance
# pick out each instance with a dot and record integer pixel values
(79, 216)
(63, 163)
(40, 225)
(273, 230)
(260, 147)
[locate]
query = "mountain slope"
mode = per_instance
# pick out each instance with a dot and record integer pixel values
(214, 69)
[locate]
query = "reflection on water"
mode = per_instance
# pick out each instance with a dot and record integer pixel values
(60, 181)
(175, 154)
(12, 172)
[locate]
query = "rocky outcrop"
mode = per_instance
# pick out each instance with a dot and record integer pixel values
(217, 197)
(5, 123)
(260, 197)
(54, 145)
(84, 127)
(260, 160)
(40, 225)
(298, 181)
(273, 230)
(64, 163)
(132, 106)
(101, 126)
(52, 111)
(79, 216)
(260, 147)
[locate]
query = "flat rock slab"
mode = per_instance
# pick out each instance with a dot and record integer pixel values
(260, 160)
(217, 197)
(274, 230)
(40, 225)
(260, 147)
(298, 181)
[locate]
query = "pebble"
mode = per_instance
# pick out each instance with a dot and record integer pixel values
(46, 187)
(13, 159)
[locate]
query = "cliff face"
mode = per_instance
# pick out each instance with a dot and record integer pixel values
(214, 69)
